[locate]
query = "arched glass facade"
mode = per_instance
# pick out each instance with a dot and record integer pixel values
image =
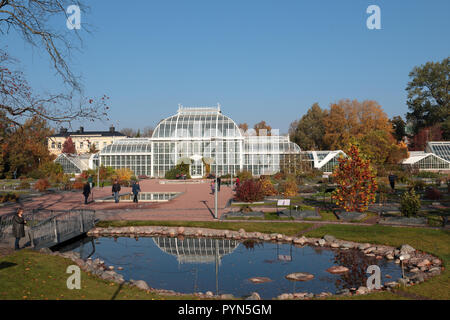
(202, 135)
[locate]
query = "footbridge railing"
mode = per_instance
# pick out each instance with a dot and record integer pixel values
(60, 227)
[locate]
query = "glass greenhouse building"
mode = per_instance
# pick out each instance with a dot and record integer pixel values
(426, 162)
(200, 137)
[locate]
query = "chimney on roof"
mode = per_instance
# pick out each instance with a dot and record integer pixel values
(112, 129)
(63, 130)
(81, 130)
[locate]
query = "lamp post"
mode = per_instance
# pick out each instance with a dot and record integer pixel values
(231, 171)
(215, 196)
(216, 216)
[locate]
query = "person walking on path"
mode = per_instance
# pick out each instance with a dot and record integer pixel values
(218, 183)
(238, 182)
(115, 191)
(392, 177)
(86, 192)
(212, 187)
(136, 188)
(18, 227)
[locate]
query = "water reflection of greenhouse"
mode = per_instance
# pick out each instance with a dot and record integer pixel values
(196, 250)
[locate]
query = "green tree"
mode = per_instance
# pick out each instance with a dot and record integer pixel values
(381, 148)
(399, 126)
(308, 132)
(428, 96)
(25, 147)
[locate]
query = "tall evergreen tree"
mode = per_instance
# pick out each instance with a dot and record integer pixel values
(308, 132)
(429, 96)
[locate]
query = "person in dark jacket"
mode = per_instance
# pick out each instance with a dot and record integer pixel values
(219, 181)
(392, 177)
(136, 188)
(116, 190)
(86, 192)
(18, 227)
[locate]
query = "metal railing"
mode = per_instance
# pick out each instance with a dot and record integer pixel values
(61, 227)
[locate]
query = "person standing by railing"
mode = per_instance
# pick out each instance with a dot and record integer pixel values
(116, 190)
(136, 188)
(86, 192)
(18, 227)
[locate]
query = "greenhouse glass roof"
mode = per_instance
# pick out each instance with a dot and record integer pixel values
(128, 146)
(197, 123)
(439, 148)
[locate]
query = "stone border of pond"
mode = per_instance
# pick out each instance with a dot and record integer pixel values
(420, 265)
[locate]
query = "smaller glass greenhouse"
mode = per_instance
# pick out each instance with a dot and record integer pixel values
(426, 162)
(134, 154)
(76, 163)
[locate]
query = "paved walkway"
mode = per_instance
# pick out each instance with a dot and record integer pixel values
(195, 203)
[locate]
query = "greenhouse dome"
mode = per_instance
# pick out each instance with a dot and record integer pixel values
(207, 139)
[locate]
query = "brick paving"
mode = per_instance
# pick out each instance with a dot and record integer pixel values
(195, 203)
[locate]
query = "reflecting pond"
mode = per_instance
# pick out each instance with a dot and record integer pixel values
(225, 266)
(144, 197)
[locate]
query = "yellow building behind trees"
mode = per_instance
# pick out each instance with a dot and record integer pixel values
(83, 140)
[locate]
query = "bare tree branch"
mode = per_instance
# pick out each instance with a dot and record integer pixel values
(32, 19)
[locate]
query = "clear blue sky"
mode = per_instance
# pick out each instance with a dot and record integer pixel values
(261, 60)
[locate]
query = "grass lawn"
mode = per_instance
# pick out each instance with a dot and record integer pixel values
(31, 275)
(326, 216)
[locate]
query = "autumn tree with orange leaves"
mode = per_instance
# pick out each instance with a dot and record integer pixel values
(356, 182)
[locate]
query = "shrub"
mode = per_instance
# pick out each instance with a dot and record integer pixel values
(42, 185)
(50, 168)
(410, 203)
(65, 181)
(177, 171)
(78, 184)
(6, 197)
(244, 175)
(267, 187)
(105, 173)
(383, 190)
(417, 185)
(123, 174)
(249, 191)
(36, 174)
(24, 185)
(306, 189)
(288, 188)
(428, 174)
(432, 193)
(245, 208)
(142, 177)
(313, 174)
(279, 176)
